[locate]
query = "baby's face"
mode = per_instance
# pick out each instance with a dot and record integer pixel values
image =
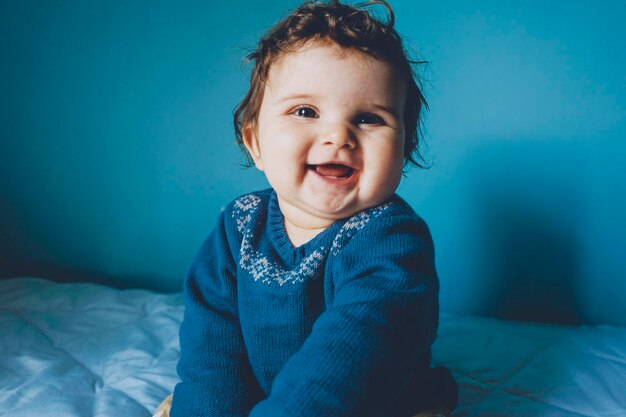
(330, 134)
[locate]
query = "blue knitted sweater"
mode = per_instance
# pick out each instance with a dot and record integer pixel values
(340, 326)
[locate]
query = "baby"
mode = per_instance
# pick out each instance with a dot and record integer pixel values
(319, 297)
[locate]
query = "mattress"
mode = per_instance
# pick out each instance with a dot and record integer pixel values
(90, 350)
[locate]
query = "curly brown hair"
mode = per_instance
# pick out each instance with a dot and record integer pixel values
(349, 27)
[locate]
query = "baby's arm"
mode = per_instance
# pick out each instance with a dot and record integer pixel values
(214, 368)
(364, 348)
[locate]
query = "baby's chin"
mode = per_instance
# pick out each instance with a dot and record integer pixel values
(311, 212)
(345, 204)
(334, 213)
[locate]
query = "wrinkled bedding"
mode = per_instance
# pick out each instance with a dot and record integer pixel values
(89, 350)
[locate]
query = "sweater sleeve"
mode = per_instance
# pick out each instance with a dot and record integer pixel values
(216, 379)
(364, 349)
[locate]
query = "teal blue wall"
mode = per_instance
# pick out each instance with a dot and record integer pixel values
(117, 151)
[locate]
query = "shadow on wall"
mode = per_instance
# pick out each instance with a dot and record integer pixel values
(24, 253)
(529, 207)
(533, 263)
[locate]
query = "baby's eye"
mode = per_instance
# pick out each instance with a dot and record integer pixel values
(370, 119)
(305, 112)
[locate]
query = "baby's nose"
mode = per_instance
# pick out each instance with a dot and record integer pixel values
(339, 135)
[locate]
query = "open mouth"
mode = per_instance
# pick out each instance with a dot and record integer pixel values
(332, 171)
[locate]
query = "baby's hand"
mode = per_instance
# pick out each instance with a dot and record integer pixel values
(163, 410)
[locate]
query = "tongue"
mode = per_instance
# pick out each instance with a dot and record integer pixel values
(333, 170)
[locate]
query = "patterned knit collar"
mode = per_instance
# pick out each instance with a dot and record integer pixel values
(278, 235)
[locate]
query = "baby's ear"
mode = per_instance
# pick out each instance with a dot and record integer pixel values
(251, 142)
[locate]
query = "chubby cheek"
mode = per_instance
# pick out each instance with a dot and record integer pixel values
(386, 163)
(283, 155)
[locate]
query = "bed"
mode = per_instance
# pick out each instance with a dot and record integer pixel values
(90, 350)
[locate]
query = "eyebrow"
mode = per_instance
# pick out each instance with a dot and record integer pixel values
(295, 97)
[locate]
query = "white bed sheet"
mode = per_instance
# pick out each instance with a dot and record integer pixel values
(88, 350)
(85, 350)
(527, 370)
